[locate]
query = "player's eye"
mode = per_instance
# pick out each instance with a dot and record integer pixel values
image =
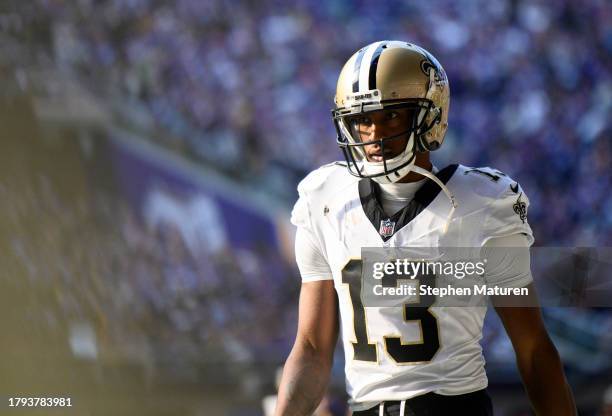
(362, 121)
(391, 115)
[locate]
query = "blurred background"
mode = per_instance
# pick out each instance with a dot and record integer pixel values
(149, 154)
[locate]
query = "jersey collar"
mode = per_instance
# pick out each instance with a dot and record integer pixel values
(369, 192)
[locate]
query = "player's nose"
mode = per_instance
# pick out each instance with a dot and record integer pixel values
(375, 131)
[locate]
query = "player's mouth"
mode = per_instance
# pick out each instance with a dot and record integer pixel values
(377, 156)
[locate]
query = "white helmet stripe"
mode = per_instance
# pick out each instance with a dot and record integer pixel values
(364, 70)
(374, 66)
(357, 68)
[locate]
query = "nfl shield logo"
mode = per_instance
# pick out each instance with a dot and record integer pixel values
(387, 227)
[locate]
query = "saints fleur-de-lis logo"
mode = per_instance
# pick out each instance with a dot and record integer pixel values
(430, 62)
(520, 208)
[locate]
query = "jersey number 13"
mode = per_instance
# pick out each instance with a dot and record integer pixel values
(400, 352)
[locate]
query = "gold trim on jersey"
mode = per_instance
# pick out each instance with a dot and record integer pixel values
(421, 341)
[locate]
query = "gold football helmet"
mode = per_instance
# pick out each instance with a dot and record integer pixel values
(386, 75)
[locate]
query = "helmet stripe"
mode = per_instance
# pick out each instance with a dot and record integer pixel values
(357, 68)
(374, 66)
(364, 71)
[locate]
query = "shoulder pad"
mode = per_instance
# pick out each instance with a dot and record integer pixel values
(503, 198)
(310, 187)
(489, 182)
(315, 179)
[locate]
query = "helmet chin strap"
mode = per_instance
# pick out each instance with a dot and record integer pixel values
(448, 193)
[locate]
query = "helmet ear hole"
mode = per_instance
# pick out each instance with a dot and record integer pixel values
(422, 145)
(434, 145)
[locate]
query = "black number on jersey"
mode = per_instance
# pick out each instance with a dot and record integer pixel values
(412, 353)
(429, 345)
(494, 177)
(351, 275)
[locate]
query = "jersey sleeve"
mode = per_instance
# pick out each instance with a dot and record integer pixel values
(507, 214)
(310, 260)
(300, 215)
(508, 261)
(309, 255)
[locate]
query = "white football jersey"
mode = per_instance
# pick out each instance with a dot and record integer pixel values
(390, 355)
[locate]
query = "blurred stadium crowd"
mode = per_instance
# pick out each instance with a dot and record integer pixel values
(246, 88)
(250, 85)
(137, 283)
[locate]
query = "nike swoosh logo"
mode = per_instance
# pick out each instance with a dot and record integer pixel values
(514, 187)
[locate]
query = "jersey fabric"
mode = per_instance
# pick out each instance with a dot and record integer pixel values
(337, 214)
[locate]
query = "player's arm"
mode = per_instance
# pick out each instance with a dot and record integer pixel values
(536, 356)
(509, 237)
(307, 369)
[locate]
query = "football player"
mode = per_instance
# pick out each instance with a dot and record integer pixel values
(392, 103)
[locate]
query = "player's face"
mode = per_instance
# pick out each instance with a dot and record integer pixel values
(380, 124)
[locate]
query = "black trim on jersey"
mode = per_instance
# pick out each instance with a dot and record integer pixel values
(369, 192)
(374, 66)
